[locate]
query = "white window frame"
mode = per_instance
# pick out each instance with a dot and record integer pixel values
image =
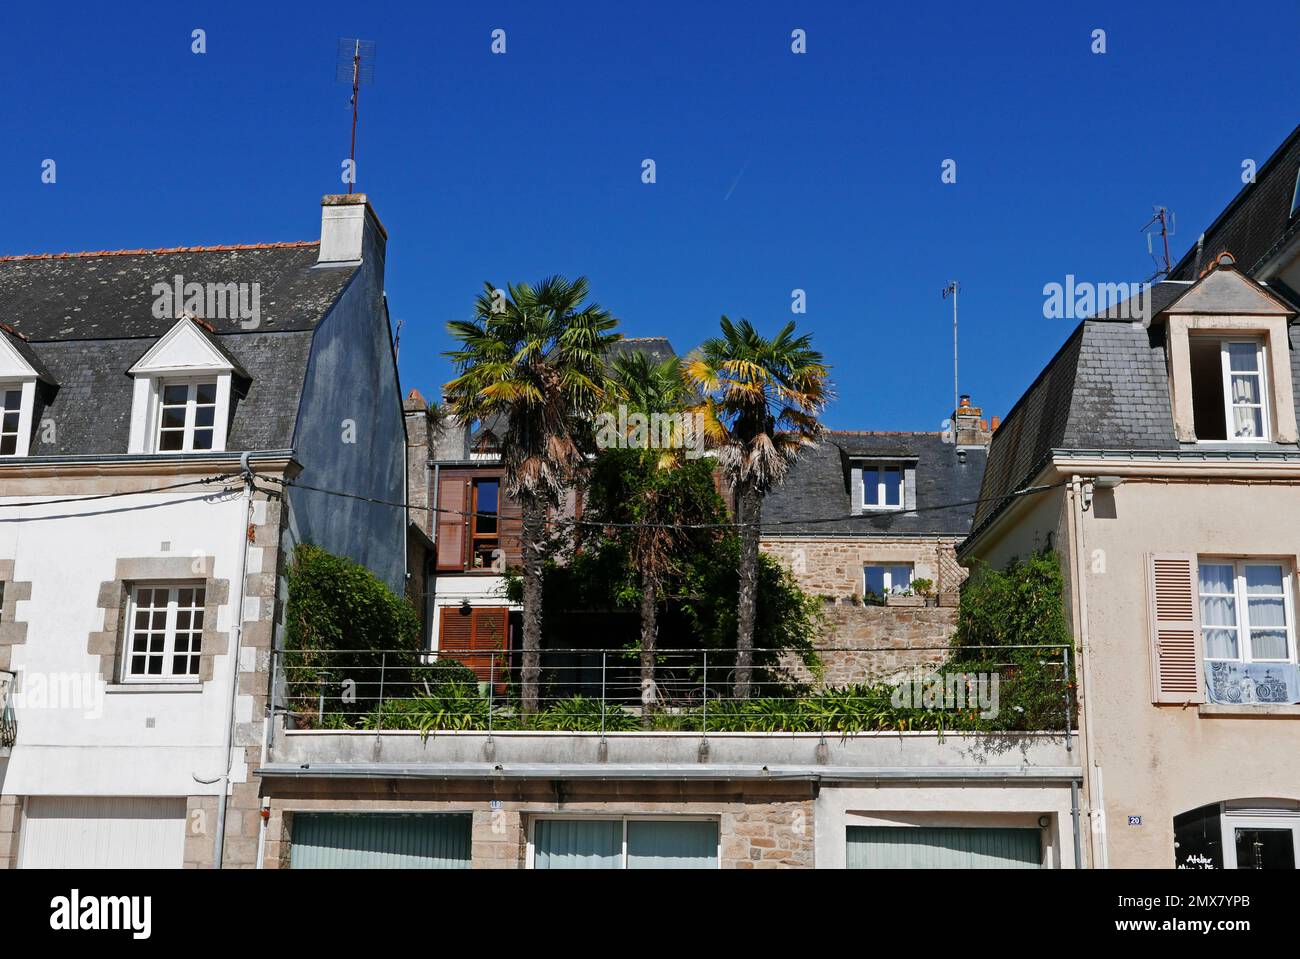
(169, 643)
(882, 487)
(889, 586)
(191, 384)
(534, 820)
(27, 404)
(1231, 819)
(1244, 646)
(1225, 378)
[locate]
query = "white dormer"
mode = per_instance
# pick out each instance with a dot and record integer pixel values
(182, 393)
(17, 399)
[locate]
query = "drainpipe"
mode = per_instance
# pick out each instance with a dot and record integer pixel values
(266, 756)
(219, 844)
(1074, 815)
(1097, 835)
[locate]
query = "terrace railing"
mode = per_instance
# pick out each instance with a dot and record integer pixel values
(1016, 688)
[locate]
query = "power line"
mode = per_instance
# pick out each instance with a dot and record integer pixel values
(135, 492)
(598, 524)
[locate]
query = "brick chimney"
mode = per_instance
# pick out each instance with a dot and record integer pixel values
(969, 428)
(418, 493)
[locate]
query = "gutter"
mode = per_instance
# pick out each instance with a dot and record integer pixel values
(673, 771)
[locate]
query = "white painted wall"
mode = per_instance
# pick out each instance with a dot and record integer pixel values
(107, 746)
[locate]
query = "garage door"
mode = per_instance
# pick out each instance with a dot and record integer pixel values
(903, 847)
(381, 841)
(85, 833)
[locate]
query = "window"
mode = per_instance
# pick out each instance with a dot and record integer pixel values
(882, 581)
(625, 844)
(1246, 611)
(10, 423)
(484, 531)
(164, 633)
(882, 486)
(187, 416)
(1295, 195)
(1228, 389)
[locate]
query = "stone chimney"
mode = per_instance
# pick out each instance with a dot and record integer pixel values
(418, 494)
(970, 430)
(350, 231)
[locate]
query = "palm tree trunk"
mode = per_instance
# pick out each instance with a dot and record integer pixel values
(534, 522)
(649, 630)
(751, 511)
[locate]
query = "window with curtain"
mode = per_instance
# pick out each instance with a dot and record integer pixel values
(1248, 632)
(625, 844)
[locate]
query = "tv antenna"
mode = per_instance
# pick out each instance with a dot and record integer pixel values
(356, 64)
(951, 288)
(1167, 229)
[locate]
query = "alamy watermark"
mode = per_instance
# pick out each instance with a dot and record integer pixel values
(952, 691)
(1081, 300)
(624, 430)
(209, 301)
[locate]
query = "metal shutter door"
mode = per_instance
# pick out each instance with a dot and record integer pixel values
(96, 833)
(902, 847)
(381, 841)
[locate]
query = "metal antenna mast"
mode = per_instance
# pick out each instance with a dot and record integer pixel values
(356, 64)
(1167, 229)
(952, 288)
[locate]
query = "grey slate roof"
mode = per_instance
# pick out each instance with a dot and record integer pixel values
(1257, 222)
(818, 486)
(86, 296)
(89, 318)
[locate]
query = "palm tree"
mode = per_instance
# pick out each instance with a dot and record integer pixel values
(761, 402)
(536, 360)
(639, 489)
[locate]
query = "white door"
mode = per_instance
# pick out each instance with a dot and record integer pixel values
(95, 833)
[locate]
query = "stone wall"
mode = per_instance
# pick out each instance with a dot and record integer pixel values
(871, 644)
(832, 565)
(761, 825)
(11, 817)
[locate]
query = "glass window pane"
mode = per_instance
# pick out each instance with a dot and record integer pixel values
(1218, 611)
(875, 580)
(175, 395)
(1268, 644)
(1263, 579)
(205, 393)
(578, 844)
(900, 578)
(1247, 422)
(1216, 577)
(1221, 644)
(13, 399)
(672, 845)
(1243, 356)
(893, 477)
(173, 417)
(203, 439)
(871, 486)
(1245, 389)
(1266, 613)
(8, 445)
(205, 415)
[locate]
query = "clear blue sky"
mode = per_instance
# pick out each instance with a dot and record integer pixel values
(775, 171)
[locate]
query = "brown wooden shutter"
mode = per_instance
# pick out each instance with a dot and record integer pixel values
(510, 526)
(453, 503)
(468, 638)
(1176, 660)
(455, 630)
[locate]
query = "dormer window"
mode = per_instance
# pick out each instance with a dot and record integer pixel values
(11, 421)
(183, 387)
(20, 372)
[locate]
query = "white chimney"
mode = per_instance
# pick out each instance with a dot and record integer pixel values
(347, 223)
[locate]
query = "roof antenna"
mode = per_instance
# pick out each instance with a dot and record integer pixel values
(356, 63)
(952, 288)
(1167, 229)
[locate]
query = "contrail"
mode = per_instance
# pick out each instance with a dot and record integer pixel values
(736, 181)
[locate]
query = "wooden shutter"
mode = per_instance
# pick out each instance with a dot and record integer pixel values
(1176, 660)
(510, 528)
(453, 504)
(468, 638)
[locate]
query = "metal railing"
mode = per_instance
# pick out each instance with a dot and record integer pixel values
(840, 690)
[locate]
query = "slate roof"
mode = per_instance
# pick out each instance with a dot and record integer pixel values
(88, 318)
(100, 296)
(1107, 388)
(818, 486)
(1258, 222)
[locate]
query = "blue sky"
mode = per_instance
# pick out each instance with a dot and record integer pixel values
(775, 171)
